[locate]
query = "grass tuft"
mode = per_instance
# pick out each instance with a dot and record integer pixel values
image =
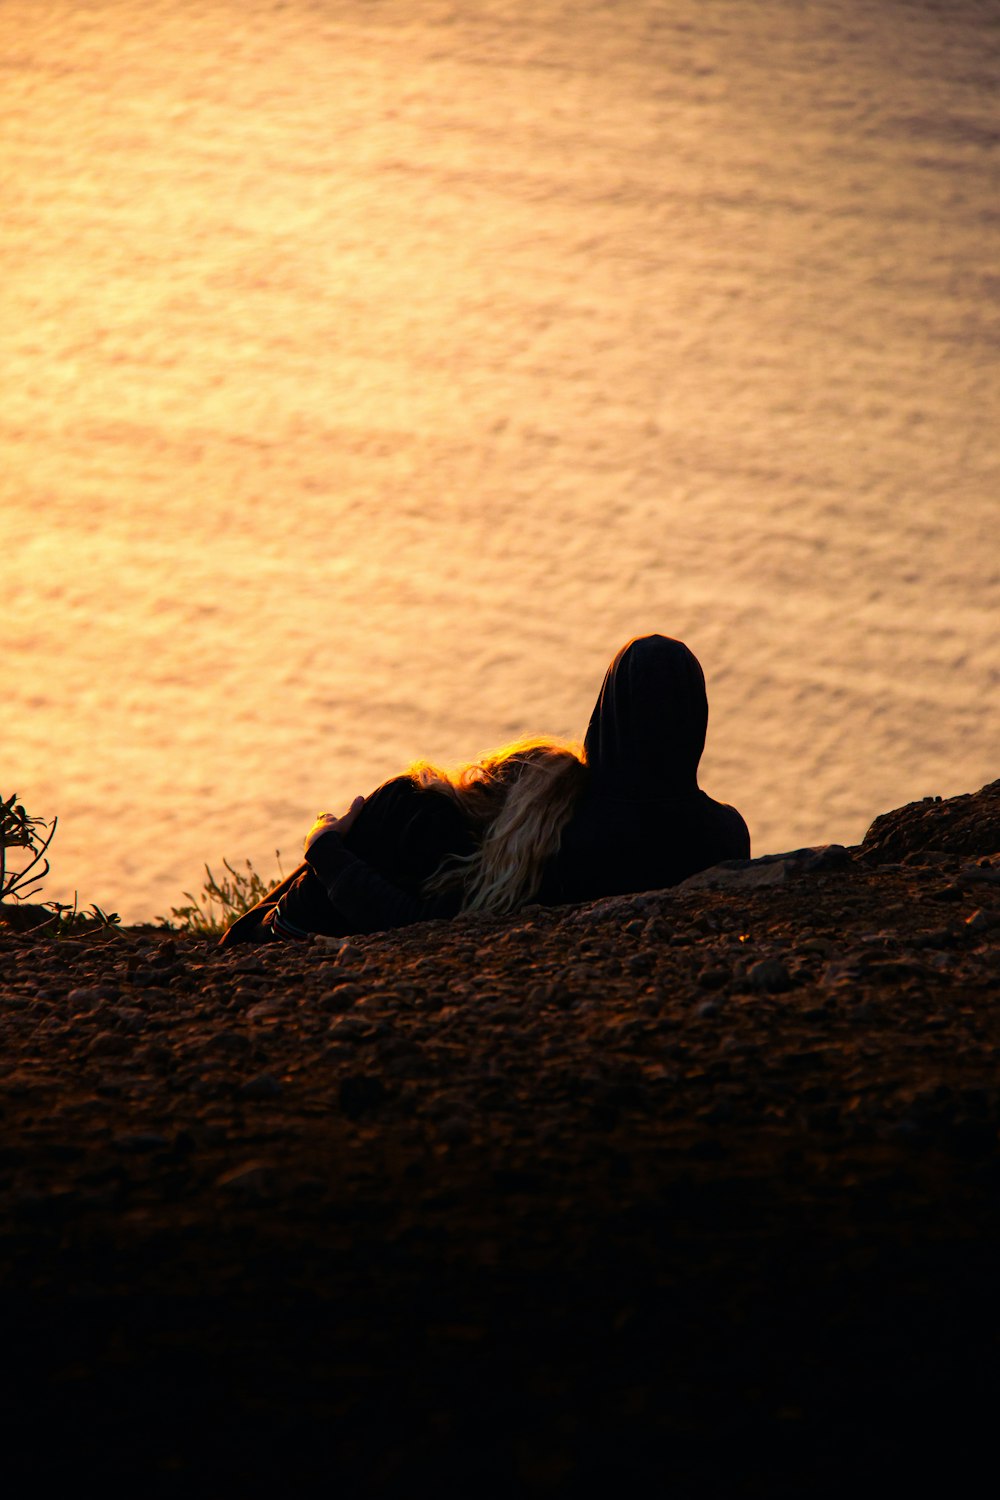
(19, 830)
(222, 899)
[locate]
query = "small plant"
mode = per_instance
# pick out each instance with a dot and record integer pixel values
(19, 830)
(222, 900)
(68, 921)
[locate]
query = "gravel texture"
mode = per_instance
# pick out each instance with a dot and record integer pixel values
(697, 1189)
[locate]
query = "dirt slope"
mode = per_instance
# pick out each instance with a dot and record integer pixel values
(696, 1189)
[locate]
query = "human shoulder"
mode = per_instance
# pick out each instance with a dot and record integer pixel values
(732, 835)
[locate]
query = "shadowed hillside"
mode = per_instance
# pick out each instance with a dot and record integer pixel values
(694, 1189)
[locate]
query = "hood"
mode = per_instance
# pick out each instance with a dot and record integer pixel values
(647, 731)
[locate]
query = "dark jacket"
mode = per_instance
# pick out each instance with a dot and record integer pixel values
(643, 822)
(374, 875)
(371, 878)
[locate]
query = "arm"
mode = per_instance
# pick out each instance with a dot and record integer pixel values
(369, 901)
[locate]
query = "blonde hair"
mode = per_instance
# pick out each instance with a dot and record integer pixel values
(517, 801)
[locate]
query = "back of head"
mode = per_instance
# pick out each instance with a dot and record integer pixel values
(519, 799)
(647, 731)
(643, 823)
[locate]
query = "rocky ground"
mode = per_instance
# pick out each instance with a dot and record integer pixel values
(697, 1190)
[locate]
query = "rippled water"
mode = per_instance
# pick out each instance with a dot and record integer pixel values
(372, 372)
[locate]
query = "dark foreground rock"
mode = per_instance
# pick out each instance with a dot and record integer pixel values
(696, 1191)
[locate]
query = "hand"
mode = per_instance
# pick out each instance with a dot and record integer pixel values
(330, 823)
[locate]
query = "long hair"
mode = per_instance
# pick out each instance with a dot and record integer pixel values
(517, 801)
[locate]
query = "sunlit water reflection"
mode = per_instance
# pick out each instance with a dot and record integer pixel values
(372, 372)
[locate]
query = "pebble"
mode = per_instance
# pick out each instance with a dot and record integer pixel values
(154, 1055)
(950, 892)
(229, 1043)
(263, 1086)
(139, 1141)
(127, 1018)
(250, 1180)
(351, 1029)
(769, 975)
(737, 875)
(267, 1009)
(109, 1044)
(940, 937)
(713, 978)
(86, 997)
(341, 998)
(250, 967)
(821, 946)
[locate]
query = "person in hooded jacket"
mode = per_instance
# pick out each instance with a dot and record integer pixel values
(528, 823)
(643, 822)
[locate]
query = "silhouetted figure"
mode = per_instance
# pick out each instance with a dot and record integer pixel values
(643, 822)
(529, 822)
(428, 844)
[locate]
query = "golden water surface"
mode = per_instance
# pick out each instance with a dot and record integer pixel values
(371, 371)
